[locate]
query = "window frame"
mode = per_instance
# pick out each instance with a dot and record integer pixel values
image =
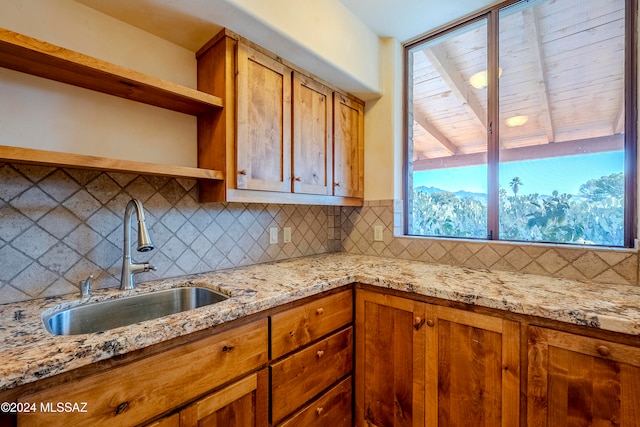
(492, 16)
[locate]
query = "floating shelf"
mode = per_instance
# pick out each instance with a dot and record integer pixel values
(54, 158)
(28, 55)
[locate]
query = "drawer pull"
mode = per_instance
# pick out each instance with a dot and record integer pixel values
(242, 172)
(227, 348)
(320, 353)
(320, 311)
(319, 410)
(603, 350)
(122, 407)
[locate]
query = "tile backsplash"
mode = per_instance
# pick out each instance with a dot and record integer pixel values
(600, 265)
(59, 225)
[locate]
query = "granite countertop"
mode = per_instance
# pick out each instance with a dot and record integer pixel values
(29, 353)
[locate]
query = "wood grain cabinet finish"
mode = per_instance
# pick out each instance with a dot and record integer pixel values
(419, 364)
(573, 380)
(348, 148)
(242, 404)
(390, 361)
(264, 122)
(305, 374)
(282, 136)
(131, 394)
(332, 409)
(299, 326)
(472, 369)
(312, 136)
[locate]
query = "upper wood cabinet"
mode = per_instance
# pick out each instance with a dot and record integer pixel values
(264, 122)
(575, 380)
(348, 148)
(312, 149)
(282, 136)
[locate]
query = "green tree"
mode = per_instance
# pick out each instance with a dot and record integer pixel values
(604, 188)
(515, 185)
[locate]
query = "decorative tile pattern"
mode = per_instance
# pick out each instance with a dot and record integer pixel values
(59, 225)
(598, 265)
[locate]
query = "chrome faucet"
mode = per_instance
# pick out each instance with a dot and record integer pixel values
(129, 268)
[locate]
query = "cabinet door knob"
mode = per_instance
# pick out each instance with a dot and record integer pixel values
(242, 172)
(430, 323)
(320, 353)
(297, 179)
(320, 311)
(603, 350)
(336, 184)
(319, 410)
(418, 322)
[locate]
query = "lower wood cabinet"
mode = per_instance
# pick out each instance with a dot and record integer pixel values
(332, 409)
(575, 380)
(242, 404)
(425, 365)
(312, 348)
(136, 392)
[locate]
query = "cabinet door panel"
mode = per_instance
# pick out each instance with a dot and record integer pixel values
(575, 381)
(312, 153)
(264, 122)
(348, 148)
(390, 361)
(242, 404)
(472, 369)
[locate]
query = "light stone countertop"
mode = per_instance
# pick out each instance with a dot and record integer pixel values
(29, 353)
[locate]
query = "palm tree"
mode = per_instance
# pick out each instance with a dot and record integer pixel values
(515, 185)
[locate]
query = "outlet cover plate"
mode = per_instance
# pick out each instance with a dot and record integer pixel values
(273, 235)
(286, 235)
(377, 233)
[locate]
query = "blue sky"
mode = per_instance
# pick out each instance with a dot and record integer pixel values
(564, 174)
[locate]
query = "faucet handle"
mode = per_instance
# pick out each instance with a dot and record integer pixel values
(85, 287)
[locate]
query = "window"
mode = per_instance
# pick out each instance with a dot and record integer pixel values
(517, 127)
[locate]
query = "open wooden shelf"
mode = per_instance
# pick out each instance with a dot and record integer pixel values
(28, 55)
(54, 158)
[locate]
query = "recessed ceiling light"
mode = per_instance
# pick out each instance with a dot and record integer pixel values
(516, 121)
(480, 80)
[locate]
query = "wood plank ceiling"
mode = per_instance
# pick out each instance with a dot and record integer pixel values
(562, 66)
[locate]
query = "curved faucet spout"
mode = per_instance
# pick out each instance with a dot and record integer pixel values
(129, 268)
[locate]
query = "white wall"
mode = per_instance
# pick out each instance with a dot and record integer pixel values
(38, 113)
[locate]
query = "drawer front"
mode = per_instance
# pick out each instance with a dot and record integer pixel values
(332, 409)
(299, 326)
(130, 394)
(305, 374)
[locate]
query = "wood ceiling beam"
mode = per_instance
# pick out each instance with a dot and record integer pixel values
(537, 60)
(431, 129)
(558, 149)
(438, 58)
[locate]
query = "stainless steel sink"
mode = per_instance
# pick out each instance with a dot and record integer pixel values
(105, 315)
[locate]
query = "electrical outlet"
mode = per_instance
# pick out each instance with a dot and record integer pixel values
(273, 235)
(377, 233)
(287, 235)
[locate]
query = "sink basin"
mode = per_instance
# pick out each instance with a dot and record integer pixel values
(105, 315)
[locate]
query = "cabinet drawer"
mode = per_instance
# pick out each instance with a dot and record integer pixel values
(303, 375)
(299, 326)
(332, 409)
(130, 394)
